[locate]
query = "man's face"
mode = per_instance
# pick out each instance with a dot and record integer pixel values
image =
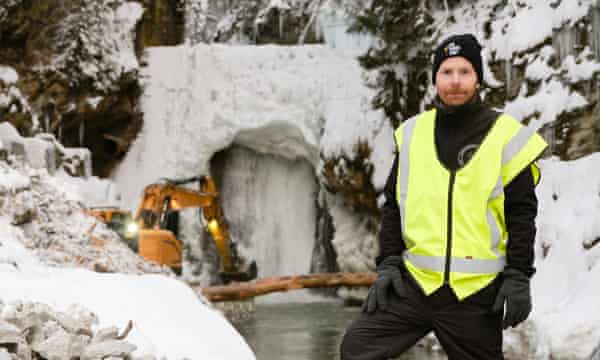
(456, 81)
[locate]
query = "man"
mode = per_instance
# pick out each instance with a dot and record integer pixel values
(456, 239)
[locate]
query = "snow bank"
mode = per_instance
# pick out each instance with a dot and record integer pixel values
(566, 287)
(169, 319)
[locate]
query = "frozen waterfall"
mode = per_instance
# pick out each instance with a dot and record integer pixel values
(270, 206)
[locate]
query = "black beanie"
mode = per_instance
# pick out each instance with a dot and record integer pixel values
(465, 45)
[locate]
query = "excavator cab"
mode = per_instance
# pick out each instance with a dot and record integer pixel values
(157, 217)
(119, 220)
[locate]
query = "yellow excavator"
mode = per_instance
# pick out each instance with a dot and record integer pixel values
(157, 221)
(153, 230)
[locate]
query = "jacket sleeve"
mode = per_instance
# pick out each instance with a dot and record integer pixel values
(520, 210)
(390, 232)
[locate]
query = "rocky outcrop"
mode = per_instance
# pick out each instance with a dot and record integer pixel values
(569, 57)
(77, 73)
(44, 152)
(253, 22)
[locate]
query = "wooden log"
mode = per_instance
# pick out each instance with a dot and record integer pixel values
(240, 291)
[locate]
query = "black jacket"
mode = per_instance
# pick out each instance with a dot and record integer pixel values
(458, 133)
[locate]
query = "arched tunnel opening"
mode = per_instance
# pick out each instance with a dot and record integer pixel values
(270, 206)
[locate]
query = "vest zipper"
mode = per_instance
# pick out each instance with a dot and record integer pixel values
(449, 228)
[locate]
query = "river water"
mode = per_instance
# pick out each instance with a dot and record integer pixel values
(304, 331)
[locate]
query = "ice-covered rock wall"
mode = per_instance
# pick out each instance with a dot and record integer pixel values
(293, 103)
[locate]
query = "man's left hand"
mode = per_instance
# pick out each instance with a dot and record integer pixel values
(515, 291)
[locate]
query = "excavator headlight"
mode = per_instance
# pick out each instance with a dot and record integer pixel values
(213, 225)
(132, 229)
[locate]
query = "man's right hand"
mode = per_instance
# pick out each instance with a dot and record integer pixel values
(389, 274)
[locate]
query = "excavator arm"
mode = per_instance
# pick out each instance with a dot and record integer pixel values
(160, 199)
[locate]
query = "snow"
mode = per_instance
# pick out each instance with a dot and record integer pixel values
(539, 69)
(8, 75)
(40, 154)
(565, 287)
(91, 191)
(552, 99)
(514, 32)
(94, 101)
(580, 68)
(12, 181)
(122, 28)
(104, 49)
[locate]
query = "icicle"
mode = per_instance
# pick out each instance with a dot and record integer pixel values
(316, 5)
(81, 132)
(318, 28)
(46, 122)
(508, 75)
(564, 40)
(595, 31)
(281, 22)
(255, 31)
(87, 164)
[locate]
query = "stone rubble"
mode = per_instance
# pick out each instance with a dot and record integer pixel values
(58, 230)
(31, 330)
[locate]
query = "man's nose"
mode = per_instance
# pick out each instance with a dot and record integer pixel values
(455, 78)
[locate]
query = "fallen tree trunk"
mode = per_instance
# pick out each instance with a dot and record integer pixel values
(240, 291)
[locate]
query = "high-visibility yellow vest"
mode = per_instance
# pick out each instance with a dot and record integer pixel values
(453, 221)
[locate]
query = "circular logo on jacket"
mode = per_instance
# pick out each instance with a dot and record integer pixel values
(466, 153)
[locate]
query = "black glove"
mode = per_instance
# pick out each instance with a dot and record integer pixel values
(516, 292)
(389, 273)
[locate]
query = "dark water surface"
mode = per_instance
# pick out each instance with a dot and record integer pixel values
(303, 331)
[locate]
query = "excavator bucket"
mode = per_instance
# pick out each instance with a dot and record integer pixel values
(244, 272)
(160, 246)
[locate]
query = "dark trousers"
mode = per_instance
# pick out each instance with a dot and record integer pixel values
(467, 330)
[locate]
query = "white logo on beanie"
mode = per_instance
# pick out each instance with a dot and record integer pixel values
(452, 49)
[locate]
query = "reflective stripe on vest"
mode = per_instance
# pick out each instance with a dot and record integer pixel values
(476, 226)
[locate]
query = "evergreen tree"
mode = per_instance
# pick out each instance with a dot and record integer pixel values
(400, 53)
